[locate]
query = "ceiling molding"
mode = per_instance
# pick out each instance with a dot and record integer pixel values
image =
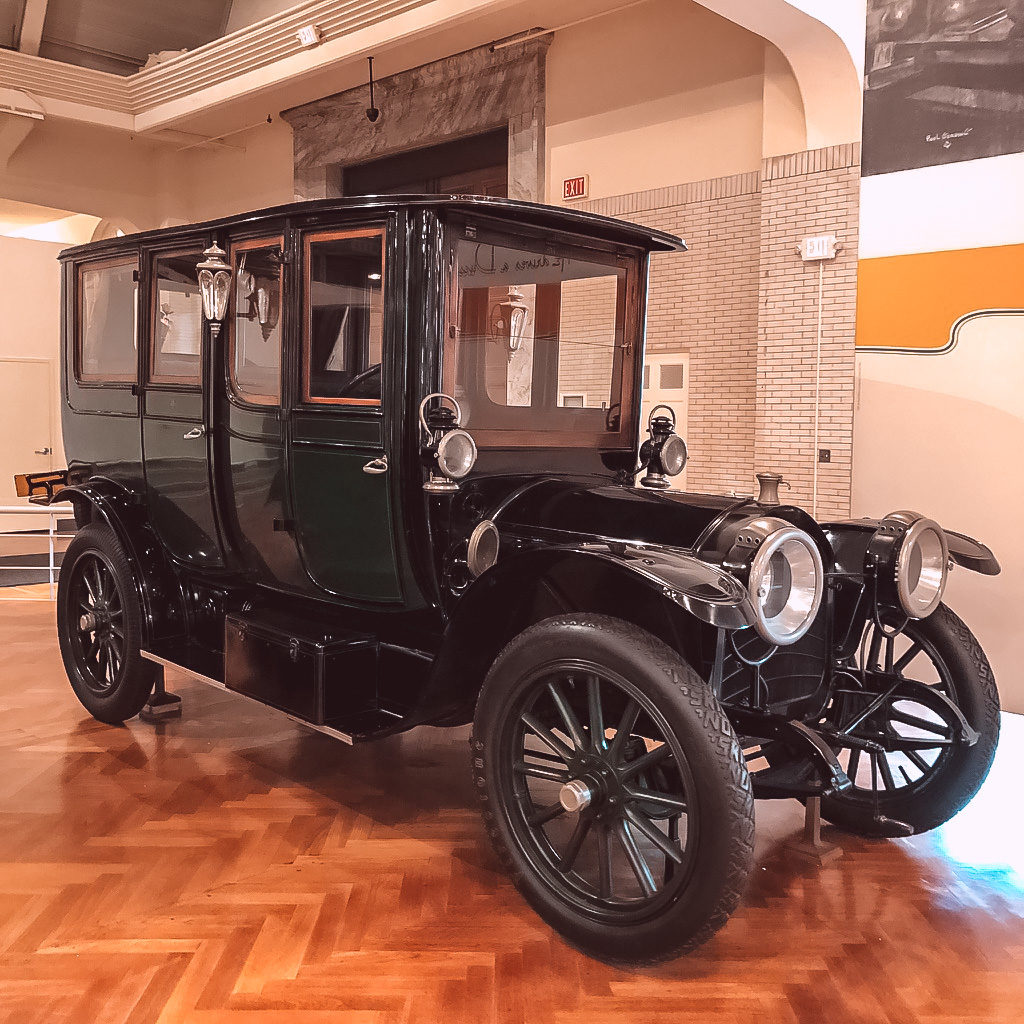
(102, 97)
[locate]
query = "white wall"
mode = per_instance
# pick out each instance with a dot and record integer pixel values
(140, 183)
(942, 434)
(662, 94)
(30, 310)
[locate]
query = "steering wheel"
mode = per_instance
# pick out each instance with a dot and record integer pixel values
(360, 378)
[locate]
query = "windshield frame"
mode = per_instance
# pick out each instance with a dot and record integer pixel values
(632, 260)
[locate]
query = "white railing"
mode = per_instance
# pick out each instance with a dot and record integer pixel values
(53, 513)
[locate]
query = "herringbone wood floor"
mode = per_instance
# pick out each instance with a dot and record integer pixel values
(231, 866)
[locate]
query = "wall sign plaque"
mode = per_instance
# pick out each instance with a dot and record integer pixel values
(576, 188)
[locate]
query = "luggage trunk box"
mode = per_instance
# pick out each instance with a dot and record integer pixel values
(313, 673)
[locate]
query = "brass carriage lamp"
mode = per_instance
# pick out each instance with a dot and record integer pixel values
(215, 286)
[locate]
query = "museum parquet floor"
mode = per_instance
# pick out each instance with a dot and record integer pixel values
(231, 866)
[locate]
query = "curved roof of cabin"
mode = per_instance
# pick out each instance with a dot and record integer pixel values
(539, 215)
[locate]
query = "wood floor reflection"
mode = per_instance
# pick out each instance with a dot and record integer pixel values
(231, 866)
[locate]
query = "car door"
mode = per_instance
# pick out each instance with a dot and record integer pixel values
(344, 477)
(249, 418)
(175, 422)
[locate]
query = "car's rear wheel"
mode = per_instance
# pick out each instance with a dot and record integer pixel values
(99, 627)
(903, 752)
(614, 788)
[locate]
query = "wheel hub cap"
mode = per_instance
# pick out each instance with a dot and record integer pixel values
(575, 795)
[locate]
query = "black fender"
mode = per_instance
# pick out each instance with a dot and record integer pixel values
(850, 538)
(670, 594)
(156, 586)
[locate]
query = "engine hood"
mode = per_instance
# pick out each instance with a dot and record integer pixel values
(567, 510)
(600, 509)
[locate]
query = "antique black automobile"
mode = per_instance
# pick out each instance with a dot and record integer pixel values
(379, 463)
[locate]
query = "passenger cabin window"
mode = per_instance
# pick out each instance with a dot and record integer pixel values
(256, 335)
(545, 341)
(177, 324)
(344, 326)
(108, 302)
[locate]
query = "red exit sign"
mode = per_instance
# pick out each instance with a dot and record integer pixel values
(576, 188)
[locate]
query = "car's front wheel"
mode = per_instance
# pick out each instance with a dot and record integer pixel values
(99, 627)
(896, 723)
(614, 788)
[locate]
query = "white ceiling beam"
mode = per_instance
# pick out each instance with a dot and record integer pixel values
(32, 26)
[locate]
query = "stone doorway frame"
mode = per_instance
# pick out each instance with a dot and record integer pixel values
(466, 94)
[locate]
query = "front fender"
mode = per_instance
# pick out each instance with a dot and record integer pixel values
(704, 590)
(156, 587)
(663, 592)
(850, 539)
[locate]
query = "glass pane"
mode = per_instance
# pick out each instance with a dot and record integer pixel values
(178, 321)
(108, 305)
(647, 375)
(346, 325)
(672, 375)
(256, 371)
(540, 337)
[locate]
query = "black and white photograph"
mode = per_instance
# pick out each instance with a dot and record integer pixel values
(944, 82)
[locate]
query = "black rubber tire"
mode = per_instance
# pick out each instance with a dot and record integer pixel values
(725, 849)
(136, 676)
(953, 784)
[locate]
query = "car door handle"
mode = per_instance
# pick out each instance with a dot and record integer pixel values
(376, 466)
(195, 432)
(44, 451)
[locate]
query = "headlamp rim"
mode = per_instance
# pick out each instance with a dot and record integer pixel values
(905, 545)
(758, 565)
(444, 443)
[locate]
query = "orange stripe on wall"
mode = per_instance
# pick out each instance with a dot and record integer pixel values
(913, 301)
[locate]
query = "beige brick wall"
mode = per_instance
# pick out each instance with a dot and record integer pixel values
(810, 193)
(586, 338)
(744, 306)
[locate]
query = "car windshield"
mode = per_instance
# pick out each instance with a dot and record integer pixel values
(542, 345)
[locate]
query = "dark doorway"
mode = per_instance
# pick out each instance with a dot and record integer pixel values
(477, 165)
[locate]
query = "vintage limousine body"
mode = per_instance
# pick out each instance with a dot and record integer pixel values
(380, 463)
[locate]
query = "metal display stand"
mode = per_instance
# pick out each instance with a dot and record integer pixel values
(810, 846)
(161, 704)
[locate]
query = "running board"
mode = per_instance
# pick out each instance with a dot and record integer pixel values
(355, 728)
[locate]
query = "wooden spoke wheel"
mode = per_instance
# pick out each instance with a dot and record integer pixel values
(99, 627)
(624, 816)
(97, 638)
(897, 720)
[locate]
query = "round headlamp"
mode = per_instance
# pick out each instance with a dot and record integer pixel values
(910, 558)
(785, 577)
(897, 15)
(673, 455)
(456, 454)
(664, 452)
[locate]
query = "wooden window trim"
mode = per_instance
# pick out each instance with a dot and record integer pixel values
(102, 378)
(307, 311)
(260, 401)
(167, 378)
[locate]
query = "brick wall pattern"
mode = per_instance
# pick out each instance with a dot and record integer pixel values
(586, 338)
(745, 307)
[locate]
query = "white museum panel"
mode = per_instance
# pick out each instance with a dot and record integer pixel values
(942, 434)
